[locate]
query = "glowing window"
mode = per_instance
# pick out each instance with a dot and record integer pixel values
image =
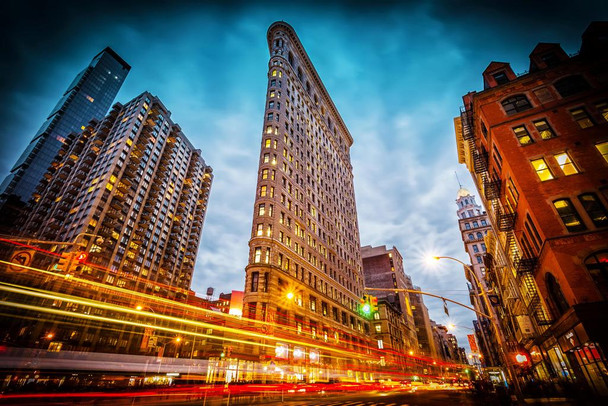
(258, 254)
(603, 149)
(544, 129)
(581, 117)
(260, 231)
(522, 135)
(565, 163)
(569, 215)
(594, 208)
(542, 170)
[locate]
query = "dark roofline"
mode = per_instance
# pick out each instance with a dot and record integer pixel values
(115, 56)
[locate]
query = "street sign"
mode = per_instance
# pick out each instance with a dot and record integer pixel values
(22, 258)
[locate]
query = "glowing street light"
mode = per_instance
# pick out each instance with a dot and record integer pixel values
(290, 295)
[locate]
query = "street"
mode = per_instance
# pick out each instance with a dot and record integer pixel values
(442, 397)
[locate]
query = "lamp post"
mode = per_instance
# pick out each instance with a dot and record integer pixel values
(494, 321)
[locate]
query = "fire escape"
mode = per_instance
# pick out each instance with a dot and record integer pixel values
(503, 219)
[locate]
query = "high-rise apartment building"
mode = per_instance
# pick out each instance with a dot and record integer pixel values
(383, 269)
(536, 145)
(134, 180)
(304, 268)
(474, 226)
(89, 96)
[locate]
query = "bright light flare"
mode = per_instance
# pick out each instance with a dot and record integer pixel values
(290, 295)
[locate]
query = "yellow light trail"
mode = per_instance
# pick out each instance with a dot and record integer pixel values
(88, 302)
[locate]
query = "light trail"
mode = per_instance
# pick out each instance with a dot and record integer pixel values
(89, 302)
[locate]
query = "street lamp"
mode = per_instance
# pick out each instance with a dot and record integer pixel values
(493, 319)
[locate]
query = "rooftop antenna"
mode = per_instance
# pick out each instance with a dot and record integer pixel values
(458, 180)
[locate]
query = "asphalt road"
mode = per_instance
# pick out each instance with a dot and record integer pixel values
(368, 398)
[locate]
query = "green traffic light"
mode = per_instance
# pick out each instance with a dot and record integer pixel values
(366, 308)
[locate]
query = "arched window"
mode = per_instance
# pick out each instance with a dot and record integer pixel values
(597, 265)
(471, 236)
(290, 58)
(479, 235)
(571, 85)
(516, 104)
(559, 302)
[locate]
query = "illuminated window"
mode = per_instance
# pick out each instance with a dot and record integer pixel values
(602, 147)
(565, 162)
(258, 254)
(266, 158)
(260, 231)
(522, 135)
(263, 191)
(274, 72)
(542, 170)
(569, 215)
(267, 143)
(581, 117)
(378, 328)
(89, 98)
(261, 209)
(269, 231)
(265, 174)
(602, 108)
(516, 104)
(544, 129)
(269, 129)
(594, 208)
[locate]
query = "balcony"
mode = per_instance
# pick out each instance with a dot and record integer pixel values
(492, 189)
(505, 221)
(480, 161)
(525, 265)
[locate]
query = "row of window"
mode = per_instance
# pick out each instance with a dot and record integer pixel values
(590, 203)
(565, 163)
(475, 224)
(563, 160)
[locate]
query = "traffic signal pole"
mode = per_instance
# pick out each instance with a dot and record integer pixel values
(432, 295)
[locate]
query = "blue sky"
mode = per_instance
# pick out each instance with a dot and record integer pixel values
(396, 70)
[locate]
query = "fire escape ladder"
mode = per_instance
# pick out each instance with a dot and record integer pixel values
(535, 307)
(480, 161)
(505, 219)
(491, 189)
(468, 130)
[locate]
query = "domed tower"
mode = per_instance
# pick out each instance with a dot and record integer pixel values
(474, 226)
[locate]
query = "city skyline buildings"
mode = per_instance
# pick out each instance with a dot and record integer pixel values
(88, 97)
(429, 43)
(304, 270)
(135, 180)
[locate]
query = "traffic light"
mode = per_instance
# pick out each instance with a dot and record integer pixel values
(366, 306)
(374, 303)
(81, 256)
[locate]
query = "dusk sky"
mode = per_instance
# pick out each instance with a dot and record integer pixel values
(396, 71)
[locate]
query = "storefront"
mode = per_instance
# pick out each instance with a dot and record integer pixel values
(588, 357)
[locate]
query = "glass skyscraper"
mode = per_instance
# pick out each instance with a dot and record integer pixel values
(89, 96)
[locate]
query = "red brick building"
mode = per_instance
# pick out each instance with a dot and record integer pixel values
(536, 145)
